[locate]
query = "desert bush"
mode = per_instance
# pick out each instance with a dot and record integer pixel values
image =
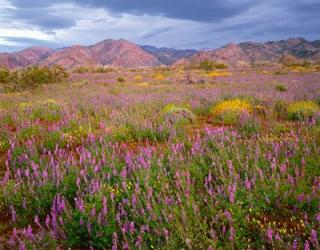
(178, 115)
(207, 65)
(102, 70)
(75, 132)
(4, 141)
(280, 109)
(281, 88)
(249, 126)
(231, 111)
(121, 80)
(221, 66)
(138, 78)
(302, 110)
(158, 77)
(4, 75)
(48, 111)
(33, 77)
(82, 70)
(53, 139)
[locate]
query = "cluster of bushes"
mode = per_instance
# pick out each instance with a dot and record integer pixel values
(84, 70)
(209, 65)
(31, 78)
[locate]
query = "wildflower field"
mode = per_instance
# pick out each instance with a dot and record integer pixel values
(137, 159)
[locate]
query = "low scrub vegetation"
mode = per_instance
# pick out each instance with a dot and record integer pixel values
(227, 164)
(31, 78)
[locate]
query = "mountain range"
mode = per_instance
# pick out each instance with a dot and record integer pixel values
(253, 52)
(121, 53)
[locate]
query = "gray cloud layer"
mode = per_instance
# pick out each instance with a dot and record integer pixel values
(206, 23)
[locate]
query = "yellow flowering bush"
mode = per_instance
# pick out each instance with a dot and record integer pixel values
(218, 73)
(302, 110)
(138, 78)
(158, 76)
(230, 111)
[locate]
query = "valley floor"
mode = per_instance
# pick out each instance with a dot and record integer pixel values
(147, 159)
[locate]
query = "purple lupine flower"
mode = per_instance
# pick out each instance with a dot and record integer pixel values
(165, 233)
(79, 204)
(114, 241)
(270, 234)
(306, 245)
(132, 227)
(126, 246)
(81, 222)
(22, 246)
(47, 222)
(232, 190)
(29, 233)
(313, 236)
(13, 214)
(232, 234)
(295, 245)
(138, 241)
(89, 228)
(277, 237)
(93, 212)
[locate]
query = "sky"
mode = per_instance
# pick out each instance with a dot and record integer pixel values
(198, 24)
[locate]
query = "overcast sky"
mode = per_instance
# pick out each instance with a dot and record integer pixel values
(170, 23)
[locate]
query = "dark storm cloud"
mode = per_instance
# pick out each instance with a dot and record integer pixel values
(43, 18)
(196, 10)
(198, 23)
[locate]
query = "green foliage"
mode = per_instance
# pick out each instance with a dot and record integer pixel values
(178, 115)
(29, 132)
(4, 141)
(280, 109)
(121, 80)
(53, 139)
(221, 66)
(208, 65)
(48, 111)
(4, 75)
(302, 110)
(100, 237)
(32, 77)
(249, 126)
(281, 88)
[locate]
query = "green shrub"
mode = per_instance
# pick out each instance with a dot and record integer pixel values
(74, 131)
(28, 133)
(281, 88)
(47, 111)
(249, 126)
(102, 70)
(302, 110)
(221, 66)
(280, 109)
(82, 70)
(4, 141)
(78, 236)
(4, 75)
(32, 77)
(207, 65)
(121, 80)
(178, 115)
(53, 139)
